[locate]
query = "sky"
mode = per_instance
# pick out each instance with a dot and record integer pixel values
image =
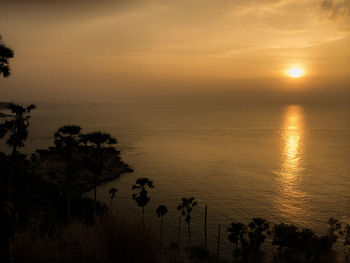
(131, 50)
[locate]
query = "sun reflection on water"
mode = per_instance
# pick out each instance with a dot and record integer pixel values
(291, 199)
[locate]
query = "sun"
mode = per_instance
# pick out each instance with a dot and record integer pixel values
(295, 72)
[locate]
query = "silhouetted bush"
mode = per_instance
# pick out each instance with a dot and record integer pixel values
(111, 239)
(294, 245)
(201, 254)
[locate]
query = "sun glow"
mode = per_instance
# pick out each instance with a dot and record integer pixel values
(295, 72)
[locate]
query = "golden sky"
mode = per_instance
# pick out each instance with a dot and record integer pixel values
(103, 50)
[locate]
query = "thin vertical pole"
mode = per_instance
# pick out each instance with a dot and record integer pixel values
(179, 236)
(205, 226)
(219, 241)
(161, 229)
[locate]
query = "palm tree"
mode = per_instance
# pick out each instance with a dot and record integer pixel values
(258, 229)
(17, 127)
(346, 243)
(142, 199)
(334, 228)
(186, 207)
(112, 193)
(97, 142)
(5, 54)
(236, 233)
(161, 211)
(67, 140)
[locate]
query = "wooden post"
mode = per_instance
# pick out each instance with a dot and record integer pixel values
(205, 226)
(219, 241)
(179, 236)
(161, 229)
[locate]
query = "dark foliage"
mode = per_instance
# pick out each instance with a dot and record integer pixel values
(142, 198)
(161, 211)
(6, 53)
(186, 208)
(96, 144)
(67, 140)
(17, 125)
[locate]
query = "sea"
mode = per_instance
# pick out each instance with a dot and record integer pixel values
(284, 163)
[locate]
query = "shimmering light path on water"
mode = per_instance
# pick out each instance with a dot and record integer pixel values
(291, 200)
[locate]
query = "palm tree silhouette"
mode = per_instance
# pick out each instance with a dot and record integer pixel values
(142, 199)
(112, 193)
(346, 235)
(17, 127)
(67, 140)
(161, 211)
(236, 233)
(186, 207)
(5, 54)
(258, 229)
(97, 142)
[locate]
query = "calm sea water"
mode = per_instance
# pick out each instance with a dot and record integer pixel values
(283, 163)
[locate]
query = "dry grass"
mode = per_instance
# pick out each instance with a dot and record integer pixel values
(111, 239)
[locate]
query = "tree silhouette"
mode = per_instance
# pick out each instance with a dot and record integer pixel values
(112, 193)
(346, 243)
(236, 233)
(258, 231)
(67, 140)
(5, 54)
(287, 239)
(17, 128)
(97, 143)
(142, 199)
(186, 207)
(161, 211)
(333, 227)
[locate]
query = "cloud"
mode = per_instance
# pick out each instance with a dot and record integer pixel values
(81, 8)
(66, 3)
(336, 9)
(67, 10)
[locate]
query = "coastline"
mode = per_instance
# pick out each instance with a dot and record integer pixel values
(52, 167)
(107, 177)
(3, 105)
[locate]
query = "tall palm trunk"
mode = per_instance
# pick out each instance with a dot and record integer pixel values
(68, 190)
(9, 190)
(179, 235)
(219, 232)
(161, 229)
(143, 207)
(189, 232)
(12, 172)
(68, 197)
(110, 204)
(205, 226)
(96, 175)
(13, 168)
(95, 193)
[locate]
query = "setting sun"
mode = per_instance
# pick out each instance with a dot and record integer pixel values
(295, 72)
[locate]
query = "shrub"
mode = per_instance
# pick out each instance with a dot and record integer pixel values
(110, 239)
